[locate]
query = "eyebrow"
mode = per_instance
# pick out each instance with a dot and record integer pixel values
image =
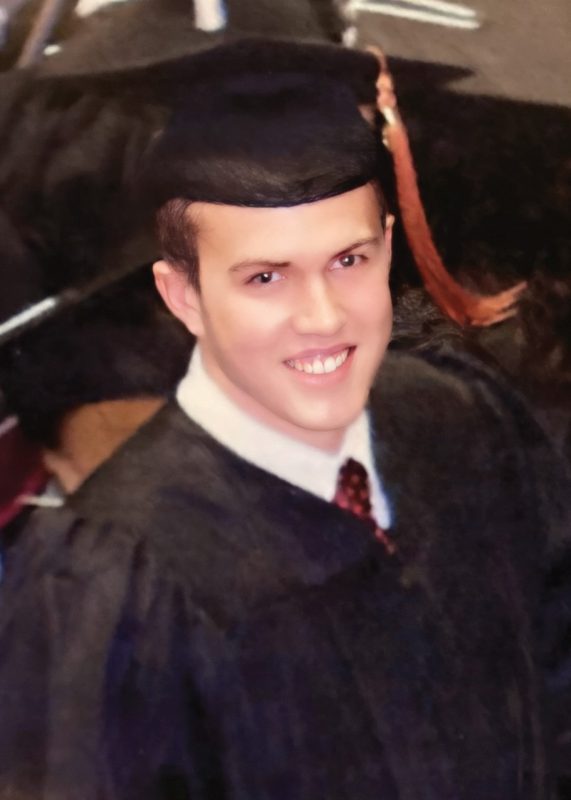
(251, 263)
(372, 240)
(265, 264)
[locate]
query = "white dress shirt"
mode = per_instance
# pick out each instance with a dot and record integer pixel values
(308, 467)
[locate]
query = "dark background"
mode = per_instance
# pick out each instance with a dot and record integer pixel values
(488, 113)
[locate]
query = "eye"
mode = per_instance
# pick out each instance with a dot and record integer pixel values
(264, 278)
(350, 260)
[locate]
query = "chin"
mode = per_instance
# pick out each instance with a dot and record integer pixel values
(324, 423)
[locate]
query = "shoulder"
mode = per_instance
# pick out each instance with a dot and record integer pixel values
(62, 544)
(106, 531)
(436, 396)
(106, 585)
(136, 480)
(443, 380)
(143, 519)
(69, 580)
(456, 400)
(151, 522)
(460, 419)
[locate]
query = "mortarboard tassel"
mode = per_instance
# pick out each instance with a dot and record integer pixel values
(461, 305)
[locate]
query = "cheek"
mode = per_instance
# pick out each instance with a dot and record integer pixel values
(384, 315)
(372, 307)
(241, 324)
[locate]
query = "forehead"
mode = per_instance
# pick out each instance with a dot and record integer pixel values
(282, 233)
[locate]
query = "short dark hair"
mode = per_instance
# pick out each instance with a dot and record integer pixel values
(177, 234)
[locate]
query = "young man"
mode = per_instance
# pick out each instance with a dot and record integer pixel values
(301, 580)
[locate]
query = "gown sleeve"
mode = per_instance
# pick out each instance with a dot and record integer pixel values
(543, 477)
(98, 658)
(554, 624)
(546, 476)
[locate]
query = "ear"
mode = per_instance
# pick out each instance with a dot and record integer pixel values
(180, 297)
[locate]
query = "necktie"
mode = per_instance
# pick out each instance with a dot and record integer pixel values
(353, 493)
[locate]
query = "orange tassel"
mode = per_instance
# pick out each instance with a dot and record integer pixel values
(461, 305)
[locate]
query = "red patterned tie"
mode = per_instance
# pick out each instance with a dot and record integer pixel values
(353, 494)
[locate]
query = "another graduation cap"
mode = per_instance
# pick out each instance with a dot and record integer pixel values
(140, 33)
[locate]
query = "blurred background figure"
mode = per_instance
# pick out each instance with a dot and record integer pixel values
(87, 352)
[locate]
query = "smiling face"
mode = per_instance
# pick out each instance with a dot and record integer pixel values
(294, 313)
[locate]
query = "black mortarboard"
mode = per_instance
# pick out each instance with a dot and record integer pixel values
(263, 138)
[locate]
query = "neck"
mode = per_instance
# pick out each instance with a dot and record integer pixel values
(90, 434)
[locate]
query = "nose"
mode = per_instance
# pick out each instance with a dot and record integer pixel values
(319, 310)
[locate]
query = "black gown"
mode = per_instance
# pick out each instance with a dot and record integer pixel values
(190, 626)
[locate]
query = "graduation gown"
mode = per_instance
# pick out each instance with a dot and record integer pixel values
(191, 626)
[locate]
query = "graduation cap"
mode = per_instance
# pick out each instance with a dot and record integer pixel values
(265, 128)
(103, 35)
(145, 32)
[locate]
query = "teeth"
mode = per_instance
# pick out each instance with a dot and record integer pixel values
(319, 366)
(329, 365)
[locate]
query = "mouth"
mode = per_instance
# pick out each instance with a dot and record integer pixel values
(322, 363)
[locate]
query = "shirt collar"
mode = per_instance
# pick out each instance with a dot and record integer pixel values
(297, 463)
